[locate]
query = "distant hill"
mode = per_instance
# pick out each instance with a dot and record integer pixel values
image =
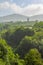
(13, 17)
(37, 17)
(18, 17)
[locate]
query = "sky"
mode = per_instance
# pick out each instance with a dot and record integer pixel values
(23, 7)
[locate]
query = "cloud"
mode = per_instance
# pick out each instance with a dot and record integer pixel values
(32, 9)
(16, 8)
(4, 5)
(12, 6)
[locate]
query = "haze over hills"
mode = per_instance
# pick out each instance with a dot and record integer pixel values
(37, 17)
(13, 17)
(18, 17)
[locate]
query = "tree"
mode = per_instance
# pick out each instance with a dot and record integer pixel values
(25, 45)
(33, 57)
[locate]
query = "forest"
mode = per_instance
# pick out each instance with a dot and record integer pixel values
(21, 43)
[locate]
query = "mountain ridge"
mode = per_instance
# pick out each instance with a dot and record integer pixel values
(13, 17)
(19, 17)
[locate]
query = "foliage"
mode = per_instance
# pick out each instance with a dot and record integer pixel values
(19, 40)
(33, 58)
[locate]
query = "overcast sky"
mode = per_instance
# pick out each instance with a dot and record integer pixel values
(24, 7)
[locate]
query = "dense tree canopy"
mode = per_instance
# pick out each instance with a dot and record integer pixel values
(33, 58)
(21, 43)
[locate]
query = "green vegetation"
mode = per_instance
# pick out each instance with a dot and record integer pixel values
(21, 43)
(33, 58)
